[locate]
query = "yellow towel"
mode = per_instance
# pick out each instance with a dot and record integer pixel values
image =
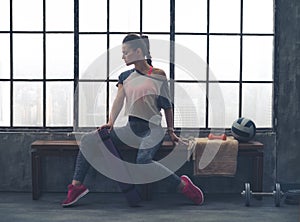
(215, 157)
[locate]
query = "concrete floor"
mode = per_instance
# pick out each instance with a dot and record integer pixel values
(163, 207)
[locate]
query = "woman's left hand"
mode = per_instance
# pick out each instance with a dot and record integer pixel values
(175, 139)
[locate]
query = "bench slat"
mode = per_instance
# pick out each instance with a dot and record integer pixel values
(73, 144)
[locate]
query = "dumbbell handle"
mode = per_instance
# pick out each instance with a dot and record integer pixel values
(260, 193)
(216, 137)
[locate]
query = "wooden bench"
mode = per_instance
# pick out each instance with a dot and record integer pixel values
(43, 148)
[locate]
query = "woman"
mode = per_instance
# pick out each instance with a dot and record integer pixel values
(146, 92)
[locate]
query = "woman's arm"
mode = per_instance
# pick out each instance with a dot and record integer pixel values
(116, 108)
(169, 120)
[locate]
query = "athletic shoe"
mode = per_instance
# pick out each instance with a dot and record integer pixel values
(191, 191)
(74, 194)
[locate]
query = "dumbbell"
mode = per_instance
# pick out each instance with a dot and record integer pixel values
(277, 194)
(216, 137)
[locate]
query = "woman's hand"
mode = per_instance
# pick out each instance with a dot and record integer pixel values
(108, 126)
(175, 139)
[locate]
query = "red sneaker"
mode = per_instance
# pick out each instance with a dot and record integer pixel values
(191, 191)
(74, 194)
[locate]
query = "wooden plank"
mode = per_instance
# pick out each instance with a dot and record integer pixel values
(251, 145)
(166, 145)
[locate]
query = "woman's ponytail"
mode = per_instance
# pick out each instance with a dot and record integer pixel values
(147, 53)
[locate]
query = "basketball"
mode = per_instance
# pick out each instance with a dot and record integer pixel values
(243, 129)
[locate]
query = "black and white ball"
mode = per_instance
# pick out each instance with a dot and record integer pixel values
(243, 129)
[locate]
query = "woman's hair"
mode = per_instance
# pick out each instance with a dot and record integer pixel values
(136, 41)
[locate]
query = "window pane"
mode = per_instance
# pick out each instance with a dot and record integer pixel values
(92, 15)
(124, 16)
(27, 15)
(27, 104)
(28, 56)
(160, 52)
(224, 57)
(59, 103)
(225, 16)
(4, 56)
(4, 104)
(5, 15)
(158, 22)
(116, 63)
(59, 15)
(92, 104)
(60, 56)
(258, 58)
(122, 118)
(257, 103)
(223, 104)
(189, 107)
(93, 57)
(197, 11)
(258, 16)
(190, 57)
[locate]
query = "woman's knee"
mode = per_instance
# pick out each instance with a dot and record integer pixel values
(88, 140)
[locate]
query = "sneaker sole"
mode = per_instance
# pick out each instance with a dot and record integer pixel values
(194, 187)
(74, 201)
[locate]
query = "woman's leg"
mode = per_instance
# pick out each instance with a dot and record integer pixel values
(183, 183)
(76, 190)
(148, 147)
(82, 165)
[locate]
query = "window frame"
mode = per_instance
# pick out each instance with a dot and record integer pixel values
(172, 37)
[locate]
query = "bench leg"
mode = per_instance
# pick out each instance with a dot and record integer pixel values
(258, 173)
(258, 166)
(36, 175)
(146, 191)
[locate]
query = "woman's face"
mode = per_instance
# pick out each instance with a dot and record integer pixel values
(130, 55)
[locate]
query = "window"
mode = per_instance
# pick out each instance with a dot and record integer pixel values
(59, 63)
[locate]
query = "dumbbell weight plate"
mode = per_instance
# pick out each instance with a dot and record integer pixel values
(247, 194)
(277, 195)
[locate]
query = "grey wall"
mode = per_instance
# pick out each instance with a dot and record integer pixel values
(281, 147)
(288, 83)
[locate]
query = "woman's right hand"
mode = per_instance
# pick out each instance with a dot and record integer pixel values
(108, 126)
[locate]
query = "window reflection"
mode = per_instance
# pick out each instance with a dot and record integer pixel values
(92, 15)
(225, 16)
(224, 60)
(27, 107)
(4, 104)
(5, 15)
(258, 19)
(189, 108)
(258, 58)
(124, 16)
(28, 56)
(59, 98)
(60, 56)
(59, 15)
(92, 104)
(257, 103)
(24, 21)
(5, 56)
